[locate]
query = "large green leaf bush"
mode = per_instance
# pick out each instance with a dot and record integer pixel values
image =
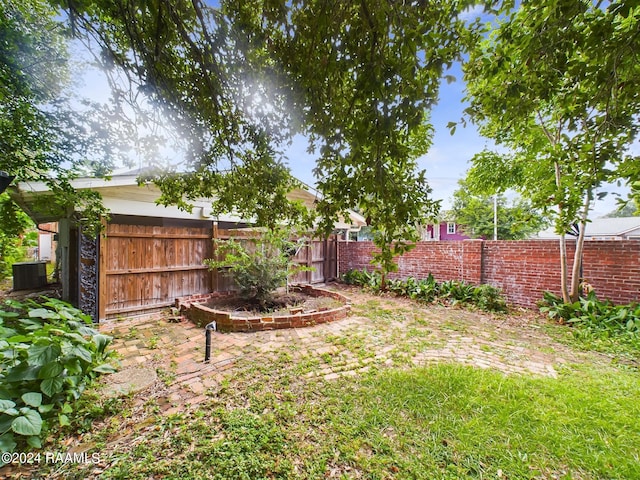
(597, 324)
(452, 292)
(49, 353)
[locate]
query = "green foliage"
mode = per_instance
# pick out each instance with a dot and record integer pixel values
(13, 223)
(595, 319)
(48, 354)
(362, 278)
(554, 84)
(626, 209)
(258, 265)
(426, 290)
(49, 134)
(475, 215)
(452, 292)
(489, 298)
(357, 78)
(457, 291)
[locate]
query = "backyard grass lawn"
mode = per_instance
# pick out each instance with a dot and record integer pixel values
(444, 421)
(274, 414)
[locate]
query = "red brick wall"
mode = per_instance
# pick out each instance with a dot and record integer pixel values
(614, 267)
(522, 269)
(441, 259)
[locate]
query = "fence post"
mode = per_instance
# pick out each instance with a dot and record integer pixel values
(309, 262)
(212, 251)
(325, 253)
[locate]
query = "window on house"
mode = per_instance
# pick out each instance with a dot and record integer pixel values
(451, 228)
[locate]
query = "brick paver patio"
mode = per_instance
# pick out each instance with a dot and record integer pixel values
(381, 332)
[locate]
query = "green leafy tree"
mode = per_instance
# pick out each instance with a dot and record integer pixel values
(13, 223)
(628, 209)
(475, 215)
(49, 134)
(555, 83)
(356, 77)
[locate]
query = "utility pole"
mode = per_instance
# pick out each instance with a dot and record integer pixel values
(495, 217)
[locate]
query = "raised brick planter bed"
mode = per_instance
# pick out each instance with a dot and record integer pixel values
(201, 315)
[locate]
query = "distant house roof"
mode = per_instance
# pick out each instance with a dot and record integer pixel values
(606, 229)
(122, 195)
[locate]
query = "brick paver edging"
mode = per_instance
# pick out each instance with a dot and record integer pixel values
(201, 315)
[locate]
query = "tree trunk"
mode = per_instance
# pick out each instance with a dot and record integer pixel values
(576, 277)
(563, 269)
(564, 280)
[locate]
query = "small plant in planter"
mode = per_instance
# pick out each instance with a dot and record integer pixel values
(258, 265)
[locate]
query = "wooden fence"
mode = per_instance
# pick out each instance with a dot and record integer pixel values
(321, 256)
(145, 267)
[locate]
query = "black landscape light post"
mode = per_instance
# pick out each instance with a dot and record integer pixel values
(5, 180)
(211, 327)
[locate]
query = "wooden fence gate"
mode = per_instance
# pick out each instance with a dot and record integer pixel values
(322, 257)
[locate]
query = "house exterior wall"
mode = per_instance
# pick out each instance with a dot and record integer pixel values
(46, 241)
(630, 235)
(445, 235)
(523, 269)
(440, 231)
(633, 234)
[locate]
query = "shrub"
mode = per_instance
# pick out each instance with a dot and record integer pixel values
(457, 292)
(426, 290)
(600, 317)
(485, 297)
(48, 354)
(489, 298)
(258, 265)
(362, 278)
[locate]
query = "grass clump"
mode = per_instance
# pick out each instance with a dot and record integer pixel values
(441, 422)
